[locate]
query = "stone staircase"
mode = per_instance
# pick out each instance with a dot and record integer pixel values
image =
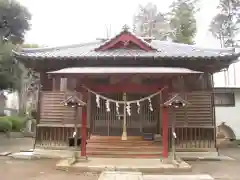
(114, 147)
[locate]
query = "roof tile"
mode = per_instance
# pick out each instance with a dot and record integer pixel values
(165, 49)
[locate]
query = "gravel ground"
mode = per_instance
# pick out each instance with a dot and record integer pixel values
(45, 169)
(11, 169)
(37, 170)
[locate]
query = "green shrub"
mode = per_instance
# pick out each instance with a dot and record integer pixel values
(17, 122)
(5, 124)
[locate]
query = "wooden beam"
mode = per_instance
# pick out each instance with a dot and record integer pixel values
(128, 88)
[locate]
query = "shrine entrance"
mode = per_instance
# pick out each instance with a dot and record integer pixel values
(110, 123)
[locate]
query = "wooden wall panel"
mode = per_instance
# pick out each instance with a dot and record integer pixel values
(198, 113)
(52, 111)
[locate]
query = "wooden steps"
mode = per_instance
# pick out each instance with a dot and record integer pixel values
(113, 146)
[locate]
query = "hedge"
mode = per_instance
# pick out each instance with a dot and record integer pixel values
(18, 123)
(5, 124)
(12, 123)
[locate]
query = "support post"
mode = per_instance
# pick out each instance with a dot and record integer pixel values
(74, 102)
(89, 120)
(124, 134)
(173, 139)
(75, 136)
(165, 131)
(76, 129)
(84, 133)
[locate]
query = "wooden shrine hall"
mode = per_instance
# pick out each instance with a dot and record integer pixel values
(124, 83)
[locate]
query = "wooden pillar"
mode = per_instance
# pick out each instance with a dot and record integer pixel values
(165, 132)
(165, 125)
(84, 127)
(56, 83)
(84, 133)
(124, 133)
(89, 120)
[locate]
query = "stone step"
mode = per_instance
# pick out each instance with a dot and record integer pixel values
(119, 144)
(105, 155)
(128, 149)
(121, 141)
(113, 146)
(121, 152)
(95, 137)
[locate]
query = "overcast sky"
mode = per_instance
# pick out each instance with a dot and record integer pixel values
(61, 22)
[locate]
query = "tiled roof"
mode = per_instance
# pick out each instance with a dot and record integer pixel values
(164, 49)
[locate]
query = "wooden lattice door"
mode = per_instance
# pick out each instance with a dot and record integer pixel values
(110, 124)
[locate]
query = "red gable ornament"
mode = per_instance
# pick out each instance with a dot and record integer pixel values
(125, 39)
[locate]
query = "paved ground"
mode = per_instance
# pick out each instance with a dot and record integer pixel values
(45, 169)
(224, 170)
(220, 170)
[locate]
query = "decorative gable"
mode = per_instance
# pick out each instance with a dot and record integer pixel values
(73, 101)
(126, 40)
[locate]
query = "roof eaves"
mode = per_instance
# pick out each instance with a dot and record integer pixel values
(233, 57)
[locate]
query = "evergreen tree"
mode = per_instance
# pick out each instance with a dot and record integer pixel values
(14, 22)
(183, 22)
(179, 24)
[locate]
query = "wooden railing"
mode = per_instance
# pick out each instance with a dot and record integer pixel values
(193, 138)
(194, 124)
(55, 136)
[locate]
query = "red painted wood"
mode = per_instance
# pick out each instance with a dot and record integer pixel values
(124, 37)
(84, 133)
(128, 88)
(165, 132)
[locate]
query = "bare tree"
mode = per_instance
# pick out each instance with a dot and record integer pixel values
(148, 22)
(225, 25)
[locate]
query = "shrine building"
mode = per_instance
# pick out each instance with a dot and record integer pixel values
(125, 83)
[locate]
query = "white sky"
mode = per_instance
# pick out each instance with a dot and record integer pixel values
(61, 22)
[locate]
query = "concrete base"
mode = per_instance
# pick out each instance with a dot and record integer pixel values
(66, 154)
(202, 156)
(99, 165)
(43, 154)
(115, 175)
(178, 177)
(25, 155)
(5, 153)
